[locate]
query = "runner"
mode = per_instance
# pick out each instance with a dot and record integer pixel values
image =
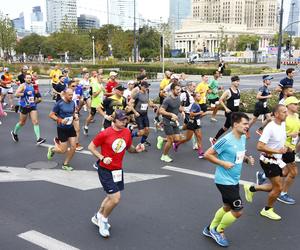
(59, 87)
(228, 154)
(289, 80)
(127, 92)
(113, 142)
(232, 96)
(111, 84)
(271, 144)
(261, 107)
(187, 100)
(287, 91)
(97, 100)
(27, 107)
(292, 126)
(6, 82)
(169, 109)
(141, 103)
(193, 126)
(213, 95)
(112, 103)
(86, 88)
(63, 113)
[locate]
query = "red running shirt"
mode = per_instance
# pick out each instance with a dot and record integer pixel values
(113, 144)
(109, 86)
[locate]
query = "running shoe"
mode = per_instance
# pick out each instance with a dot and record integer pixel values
(213, 119)
(260, 178)
(50, 153)
(285, 198)
(67, 167)
(200, 154)
(166, 158)
(175, 146)
(160, 142)
(95, 221)
(248, 193)
(206, 232)
(212, 141)
(79, 147)
(103, 228)
(147, 143)
(85, 130)
(40, 141)
(195, 147)
(259, 132)
(219, 238)
(270, 214)
(14, 136)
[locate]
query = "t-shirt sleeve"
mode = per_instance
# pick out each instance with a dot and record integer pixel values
(56, 108)
(106, 103)
(220, 145)
(265, 137)
(100, 138)
(261, 89)
(165, 104)
(282, 83)
(195, 108)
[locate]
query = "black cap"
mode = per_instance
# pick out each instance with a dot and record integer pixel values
(120, 87)
(120, 115)
(145, 84)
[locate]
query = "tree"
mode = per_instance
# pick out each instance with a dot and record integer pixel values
(31, 45)
(296, 42)
(247, 41)
(149, 40)
(275, 38)
(8, 36)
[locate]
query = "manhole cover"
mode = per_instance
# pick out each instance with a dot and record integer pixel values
(42, 165)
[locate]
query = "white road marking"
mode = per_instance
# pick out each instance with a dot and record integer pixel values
(197, 173)
(77, 179)
(45, 241)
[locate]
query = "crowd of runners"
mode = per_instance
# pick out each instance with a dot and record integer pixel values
(179, 111)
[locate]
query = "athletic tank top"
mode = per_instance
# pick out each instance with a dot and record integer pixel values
(27, 100)
(233, 103)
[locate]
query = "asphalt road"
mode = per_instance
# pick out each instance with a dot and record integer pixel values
(163, 207)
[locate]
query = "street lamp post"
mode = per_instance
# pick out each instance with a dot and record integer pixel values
(134, 31)
(93, 38)
(280, 37)
(291, 33)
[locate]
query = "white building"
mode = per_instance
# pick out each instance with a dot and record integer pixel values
(59, 12)
(122, 13)
(212, 20)
(37, 21)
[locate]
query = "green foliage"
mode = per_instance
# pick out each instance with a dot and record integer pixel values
(275, 38)
(8, 35)
(243, 41)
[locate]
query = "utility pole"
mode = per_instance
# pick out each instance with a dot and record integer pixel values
(291, 33)
(280, 37)
(134, 31)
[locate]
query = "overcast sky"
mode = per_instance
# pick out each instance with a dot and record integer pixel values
(148, 9)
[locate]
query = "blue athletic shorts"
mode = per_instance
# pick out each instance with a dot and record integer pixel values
(107, 182)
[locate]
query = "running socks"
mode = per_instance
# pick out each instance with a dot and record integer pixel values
(217, 219)
(36, 129)
(226, 221)
(17, 128)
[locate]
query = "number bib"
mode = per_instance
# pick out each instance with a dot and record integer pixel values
(236, 102)
(198, 122)
(69, 120)
(144, 106)
(295, 140)
(265, 104)
(31, 99)
(240, 157)
(117, 175)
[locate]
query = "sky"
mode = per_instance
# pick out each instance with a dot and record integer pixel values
(149, 9)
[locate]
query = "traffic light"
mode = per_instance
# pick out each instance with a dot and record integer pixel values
(288, 45)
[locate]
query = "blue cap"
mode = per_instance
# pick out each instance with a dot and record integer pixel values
(267, 77)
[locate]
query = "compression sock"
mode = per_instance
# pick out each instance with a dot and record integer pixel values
(226, 221)
(218, 217)
(36, 129)
(17, 128)
(220, 132)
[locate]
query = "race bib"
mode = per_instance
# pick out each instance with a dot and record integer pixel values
(281, 163)
(144, 106)
(69, 120)
(117, 175)
(236, 102)
(295, 140)
(240, 157)
(265, 104)
(31, 99)
(198, 121)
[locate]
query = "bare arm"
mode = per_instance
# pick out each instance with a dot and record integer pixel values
(264, 148)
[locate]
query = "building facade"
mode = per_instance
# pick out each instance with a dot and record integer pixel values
(214, 21)
(294, 15)
(19, 23)
(87, 22)
(37, 21)
(121, 13)
(60, 12)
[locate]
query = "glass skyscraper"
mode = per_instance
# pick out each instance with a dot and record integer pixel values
(294, 15)
(179, 10)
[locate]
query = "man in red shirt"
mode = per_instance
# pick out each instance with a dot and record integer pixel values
(113, 142)
(112, 83)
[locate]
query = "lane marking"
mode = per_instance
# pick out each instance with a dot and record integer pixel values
(77, 179)
(45, 241)
(197, 173)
